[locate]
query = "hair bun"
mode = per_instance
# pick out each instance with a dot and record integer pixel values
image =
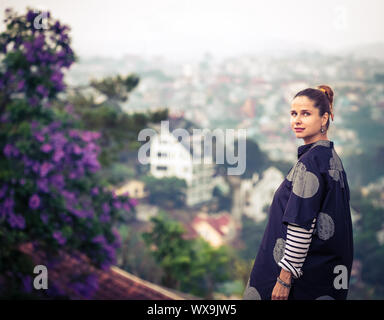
(329, 94)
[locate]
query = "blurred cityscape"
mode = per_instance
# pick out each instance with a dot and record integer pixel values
(187, 230)
(251, 92)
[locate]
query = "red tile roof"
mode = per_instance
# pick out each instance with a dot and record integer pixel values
(113, 284)
(217, 222)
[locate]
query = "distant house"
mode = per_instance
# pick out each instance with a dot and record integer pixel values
(257, 193)
(171, 156)
(217, 229)
(135, 188)
(145, 211)
(112, 284)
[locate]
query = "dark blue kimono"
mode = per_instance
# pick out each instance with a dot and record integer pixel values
(315, 187)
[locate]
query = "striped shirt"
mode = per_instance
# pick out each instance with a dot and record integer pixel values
(296, 248)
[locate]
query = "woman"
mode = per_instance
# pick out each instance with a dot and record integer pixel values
(307, 248)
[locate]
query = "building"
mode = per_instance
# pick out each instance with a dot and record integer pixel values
(135, 188)
(257, 193)
(217, 229)
(175, 152)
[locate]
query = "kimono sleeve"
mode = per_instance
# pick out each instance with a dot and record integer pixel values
(307, 194)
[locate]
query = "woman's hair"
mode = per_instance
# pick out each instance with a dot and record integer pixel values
(322, 97)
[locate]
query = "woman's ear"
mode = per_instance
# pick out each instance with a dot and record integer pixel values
(324, 119)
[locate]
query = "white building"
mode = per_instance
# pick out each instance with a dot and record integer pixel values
(258, 193)
(171, 156)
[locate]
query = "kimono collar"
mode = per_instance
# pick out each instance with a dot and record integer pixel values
(304, 148)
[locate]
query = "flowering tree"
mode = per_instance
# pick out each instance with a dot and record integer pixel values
(48, 191)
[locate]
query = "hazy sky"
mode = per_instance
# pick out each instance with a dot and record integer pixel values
(187, 28)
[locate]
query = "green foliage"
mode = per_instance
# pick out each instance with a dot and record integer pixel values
(366, 245)
(189, 265)
(224, 200)
(256, 160)
(116, 88)
(166, 192)
(119, 130)
(135, 257)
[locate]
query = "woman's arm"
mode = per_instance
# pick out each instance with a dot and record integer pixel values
(296, 249)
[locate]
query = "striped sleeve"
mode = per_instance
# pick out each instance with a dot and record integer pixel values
(296, 248)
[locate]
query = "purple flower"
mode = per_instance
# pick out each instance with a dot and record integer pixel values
(79, 213)
(42, 184)
(35, 166)
(76, 149)
(100, 239)
(10, 150)
(39, 42)
(5, 116)
(33, 101)
(126, 207)
(57, 79)
(106, 208)
(34, 124)
(69, 196)
(105, 217)
(31, 16)
(46, 147)
(58, 155)
(22, 181)
(57, 180)
(42, 90)
(95, 191)
(117, 204)
(20, 85)
(59, 237)
(16, 221)
(3, 190)
(34, 201)
(54, 125)
(73, 133)
(39, 137)
(45, 168)
(7, 207)
(87, 136)
(133, 202)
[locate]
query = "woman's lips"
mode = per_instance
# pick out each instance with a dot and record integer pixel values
(299, 129)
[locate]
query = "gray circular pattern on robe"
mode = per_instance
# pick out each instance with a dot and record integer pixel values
(325, 298)
(278, 250)
(251, 293)
(325, 226)
(336, 168)
(305, 183)
(335, 161)
(290, 173)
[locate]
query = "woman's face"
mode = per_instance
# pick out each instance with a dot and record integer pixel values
(304, 115)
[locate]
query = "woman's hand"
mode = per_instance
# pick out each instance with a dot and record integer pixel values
(280, 292)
